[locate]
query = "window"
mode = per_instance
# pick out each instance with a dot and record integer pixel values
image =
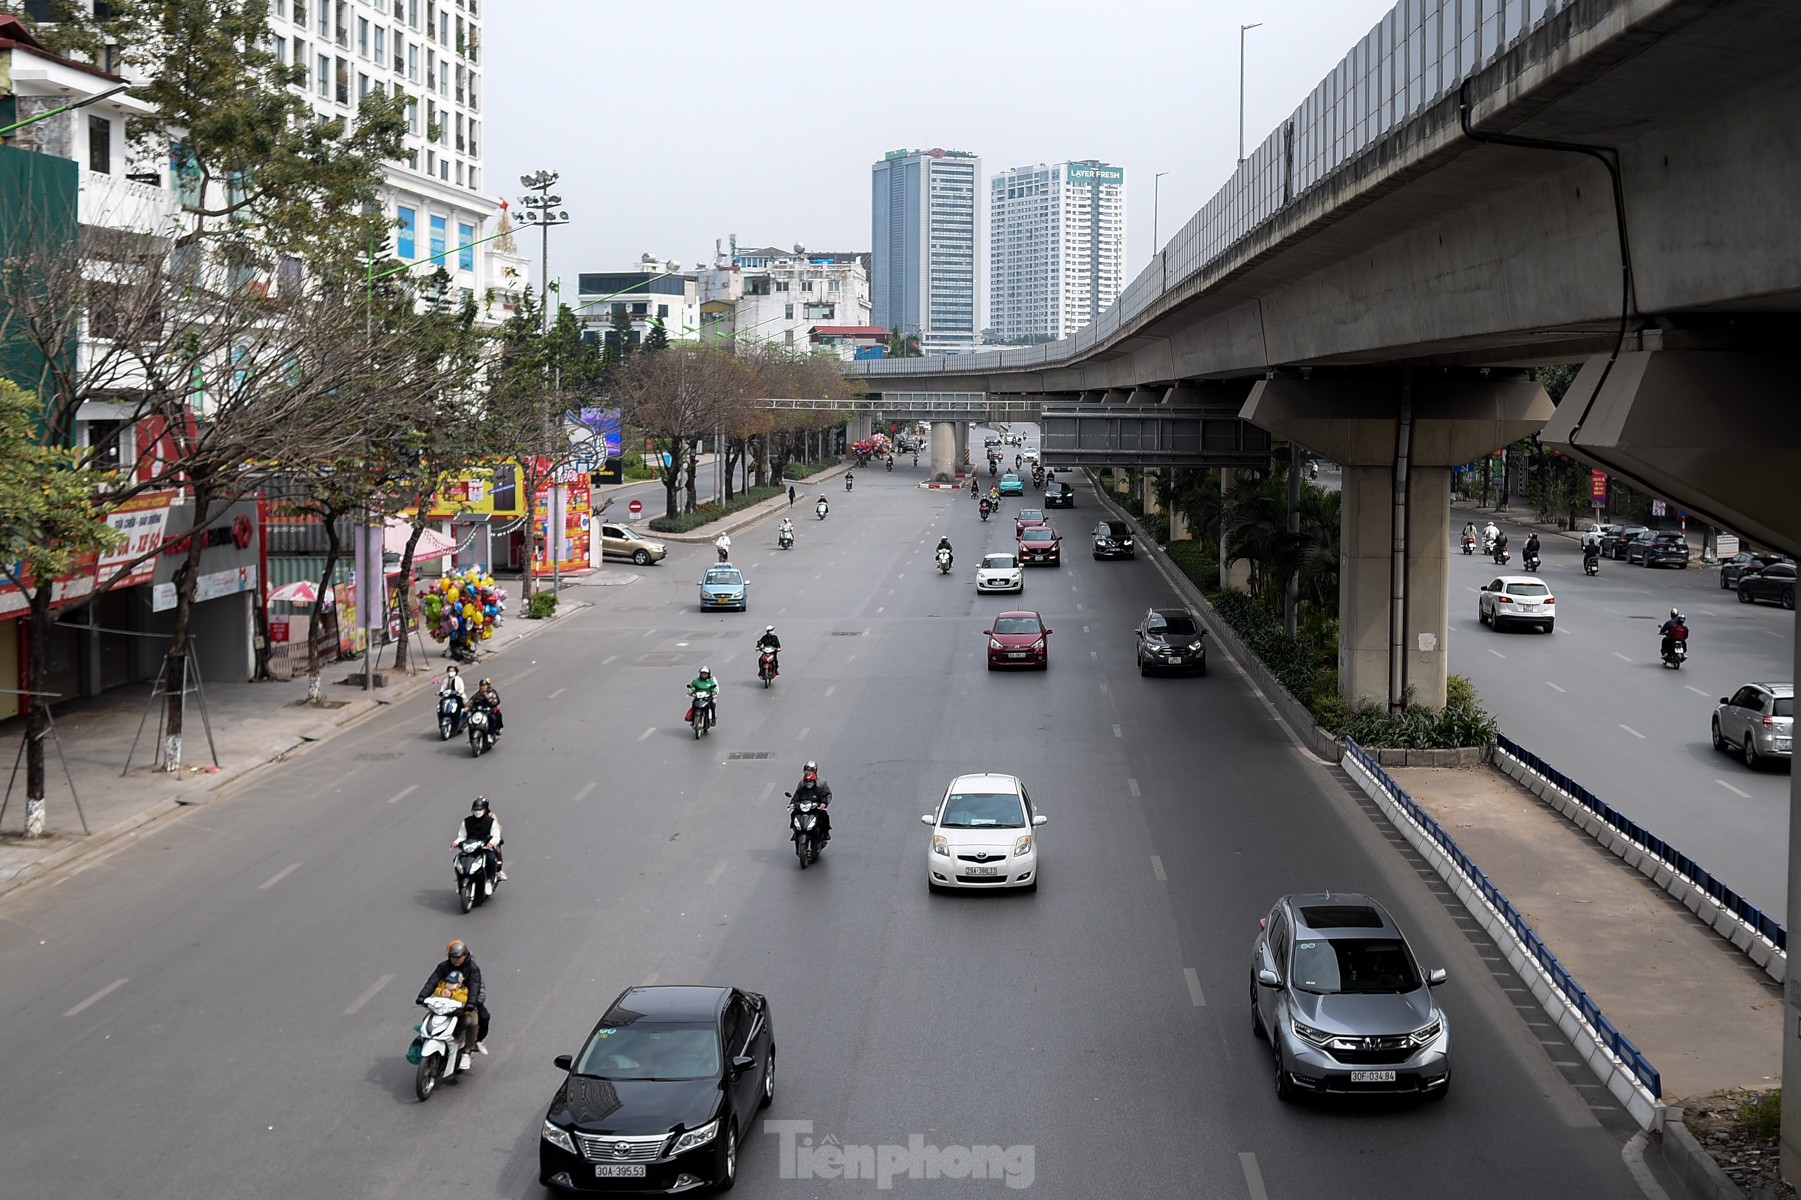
(100, 145)
(437, 238)
(412, 117)
(662, 310)
(640, 308)
(788, 312)
(322, 82)
(403, 240)
(280, 46)
(362, 87)
(362, 36)
(465, 252)
(412, 62)
(381, 49)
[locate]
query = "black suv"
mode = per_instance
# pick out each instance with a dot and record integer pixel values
(1059, 495)
(1113, 539)
(1614, 545)
(1655, 548)
(1745, 562)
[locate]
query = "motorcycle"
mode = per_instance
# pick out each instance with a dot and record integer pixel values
(891, 464)
(944, 562)
(1500, 556)
(766, 665)
(481, 732)
(474, 884)
(1313, 470)
(452, 714)
(821, 508)
(1591, 561)
(804, 826)
(847, 482)
(993, 469)
(460, 650)
(700, 712)
(986, 508)
(439, 1044)
(1469, 544)
(1530, 562)
(1676, 655)
(785, 540)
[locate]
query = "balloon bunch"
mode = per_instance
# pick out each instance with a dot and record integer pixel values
(464, 605)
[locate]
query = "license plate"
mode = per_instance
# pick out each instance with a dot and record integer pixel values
(1016, 654)
(626, 1170)
(1783, 744)
(1372, 1076)
(975, 870)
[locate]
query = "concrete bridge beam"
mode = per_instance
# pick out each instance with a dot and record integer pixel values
(1393, 578)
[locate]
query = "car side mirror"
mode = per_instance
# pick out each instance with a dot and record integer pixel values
(988, 632)
(742, 1063)
(1039, 818)
(1138, 633)
(1047, 633)
(926, 819)
(1436, 976)
(563, 1062)
(1723, 700)
(1268, 978)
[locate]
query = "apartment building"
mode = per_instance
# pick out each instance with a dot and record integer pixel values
(1056, 247)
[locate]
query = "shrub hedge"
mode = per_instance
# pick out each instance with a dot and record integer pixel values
(683, 522)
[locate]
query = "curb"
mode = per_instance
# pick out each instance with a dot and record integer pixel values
(1699, 1172)
(107, 839)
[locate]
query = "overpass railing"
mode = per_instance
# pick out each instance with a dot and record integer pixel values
(1418, 53)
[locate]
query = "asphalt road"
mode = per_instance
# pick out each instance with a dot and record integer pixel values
(221, 1007)
(1594, 700)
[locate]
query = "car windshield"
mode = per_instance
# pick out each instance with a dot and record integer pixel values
(641, 1051)
(1528, 589)
(1175, 624)
(1016, 625)
(1009, 477)
(998, 562)
(1351, 965)
(1028, 514)
(1039, 533)
(983, 810)
(718, 576)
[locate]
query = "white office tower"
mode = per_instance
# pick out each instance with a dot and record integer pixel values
(1056, 248)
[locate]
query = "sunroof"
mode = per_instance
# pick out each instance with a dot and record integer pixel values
(1341, 916)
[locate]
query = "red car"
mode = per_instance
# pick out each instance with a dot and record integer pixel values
(1018, 639)
(1040, 544)
(1025, 518)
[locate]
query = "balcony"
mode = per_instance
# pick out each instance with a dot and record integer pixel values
(113, 202)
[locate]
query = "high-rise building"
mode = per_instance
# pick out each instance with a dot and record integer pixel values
(1056, 247)
(923, 276)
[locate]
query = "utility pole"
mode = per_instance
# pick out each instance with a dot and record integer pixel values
(1242, 30)
(1156, 198)
(543, 210)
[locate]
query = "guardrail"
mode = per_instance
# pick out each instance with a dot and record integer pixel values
(1686, 867)
(1616, 1043)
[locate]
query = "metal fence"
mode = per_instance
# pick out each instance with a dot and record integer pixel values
(1616, 1042)
(1684, 866)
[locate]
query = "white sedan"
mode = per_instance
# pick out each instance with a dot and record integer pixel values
(982, 836)
(1517, 600)
(1000, 573)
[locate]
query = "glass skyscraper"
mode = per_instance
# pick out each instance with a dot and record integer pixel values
(923, 270)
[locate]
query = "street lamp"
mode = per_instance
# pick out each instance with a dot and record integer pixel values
(1156, 197)
(542, 210)
(1242, 30)
(95, 99)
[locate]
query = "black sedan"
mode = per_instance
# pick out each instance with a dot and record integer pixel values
(1059, 495)
(662, 1094)
(1775, 584)
(1745, 562)
(1170, 639)
(1113, 539)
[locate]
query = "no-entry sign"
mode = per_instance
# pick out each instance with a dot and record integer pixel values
(637, 506)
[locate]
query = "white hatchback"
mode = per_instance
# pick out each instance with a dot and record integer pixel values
(1517, 600)
(982, 836)
(1000, 573)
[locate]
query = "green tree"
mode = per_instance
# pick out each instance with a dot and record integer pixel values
(903, 345)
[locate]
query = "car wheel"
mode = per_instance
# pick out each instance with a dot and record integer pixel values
(1549, 625)
(1481, 617)
(641, 557)
(1788, 599)
(1719, 739)
(769, 1082)
(1723, 584)
(932, 888)
(728, 1164)
(1142, 669)
(1751, 758)
(1744, 597)
(1256, 1017)
(1286, 1091)
(991, 665)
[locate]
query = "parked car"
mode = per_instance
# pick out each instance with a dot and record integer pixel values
(1745, 562)
(622, 541)
(1040, 544)
(1658, 549)
(1615, 547)
(1018, 639)
(1775, 584)
(1113, 539)
(982, 836)
(1027, 517)
(1170, 639)
(1000, 573)
(724, 586)
(1338, 994)
(1756, 722)
(664, 1090)
(1059, 495)
(1012, 485)
(1516, 600)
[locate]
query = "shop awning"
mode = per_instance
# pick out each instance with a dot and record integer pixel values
(432, 544)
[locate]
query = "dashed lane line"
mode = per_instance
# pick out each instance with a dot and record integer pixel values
(1635, 733)
(647, 733)
(369, 995)
(403, 793)
(583, 794)
(97, 997)
(276, 878)
(1253, 1178)
(1133, 784)
(1194, 987)
(1553, 686)
(1157, 867)
(1733, 790)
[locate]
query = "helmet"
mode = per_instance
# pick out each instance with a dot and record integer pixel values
(480, 805)
(811, 767)
(486, 682)
(706, 672)
(454, 979)
(456, 949)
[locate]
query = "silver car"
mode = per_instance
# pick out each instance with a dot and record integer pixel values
(1346, 1009)
(1756, 722)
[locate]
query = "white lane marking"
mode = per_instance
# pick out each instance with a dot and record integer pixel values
(1707, 612)
(1157, 866)
(850, 658)
(647, 733)
(1133, 784)
(1774, 634)
(647, 633)
(1094, 654)
(369, 995)
(1194, 987)
(866, 632)
(1733, 790)
(802, 735)
(819, 577)
(277, 877)
(403, 793)
(718, 871)
(583, 794)
(1116, 732)
(1078, 608)
(881, 608)
(1635, 733)
(609, 658)
(1253, 1178)
(891, 591)
(1084, 629)
(1553, 686)
(1697, 691)
(1103, 688)
(98, 996)
(1472, 589)
(831, 689)
(1621, 657)
(767, 789)
(1497, 654)
(649, 980)
(556, 693)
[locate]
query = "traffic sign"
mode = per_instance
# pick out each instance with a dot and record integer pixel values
(637, 506)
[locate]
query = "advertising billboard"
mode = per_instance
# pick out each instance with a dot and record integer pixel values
(1088, 173)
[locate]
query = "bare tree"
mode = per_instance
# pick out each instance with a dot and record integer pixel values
(676, 396)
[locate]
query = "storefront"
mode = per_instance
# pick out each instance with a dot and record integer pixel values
(222, 621)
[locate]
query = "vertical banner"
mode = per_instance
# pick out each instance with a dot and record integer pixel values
(1597, 488)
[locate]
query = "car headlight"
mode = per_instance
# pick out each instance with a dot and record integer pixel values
(1038, 645)
(558, 1137)
(697, 1137)
(994, 644)
(941, 845)
(1022, 846)
(1125, 541)
(1421, 1037)
(1308, 1033)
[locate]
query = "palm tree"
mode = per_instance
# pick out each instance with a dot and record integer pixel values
(1255, 523)
(1320, 547)
(903, 345)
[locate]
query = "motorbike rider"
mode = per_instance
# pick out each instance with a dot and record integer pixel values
(1530, 553)
(847, 481)
(481, 825)
(1469, 532)
(705, 684)
(1591, 545)
(822, 508)
(453, 682)
(786, 530)
(813, 788)
(944, 544)
(769, 641)
(486, 697)
(723, 544)
(1499, 546)
(1673, 630)
(1489, 534)
(457, 961)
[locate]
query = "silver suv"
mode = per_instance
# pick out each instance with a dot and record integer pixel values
(1756, 722)
(1337, 992)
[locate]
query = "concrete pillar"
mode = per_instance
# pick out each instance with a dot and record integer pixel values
(944, 451)
(1147, 490)
(1365, 584)
(1233, 576)
(960, 445)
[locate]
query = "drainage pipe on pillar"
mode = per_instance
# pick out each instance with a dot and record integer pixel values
(1292, 593)
(1397, 559)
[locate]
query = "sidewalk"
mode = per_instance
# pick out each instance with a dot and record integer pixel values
(252, 724)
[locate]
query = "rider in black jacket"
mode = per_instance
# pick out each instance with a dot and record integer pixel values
(812, 787)
(458, 959)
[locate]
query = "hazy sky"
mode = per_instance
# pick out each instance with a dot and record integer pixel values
(673, 124)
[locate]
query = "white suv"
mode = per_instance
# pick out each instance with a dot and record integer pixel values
(982, 836)
(1517, 600)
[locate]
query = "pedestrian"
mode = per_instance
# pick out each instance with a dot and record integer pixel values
(791, 495)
